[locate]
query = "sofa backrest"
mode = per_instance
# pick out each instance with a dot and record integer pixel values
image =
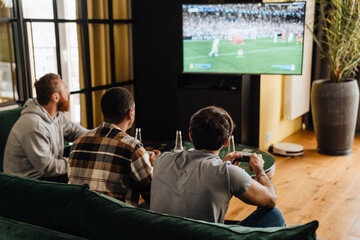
(76, 210)
(7, 120)
(104, 217)
(47, 204)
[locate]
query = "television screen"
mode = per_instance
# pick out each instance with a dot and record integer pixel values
(249, 38)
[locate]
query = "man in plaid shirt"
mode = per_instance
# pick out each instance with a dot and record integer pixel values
(108, 159)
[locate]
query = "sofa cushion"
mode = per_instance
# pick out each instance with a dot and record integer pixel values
(7, 120)
(296, 232)
(103, 217)
(16, 230)
(47, 204)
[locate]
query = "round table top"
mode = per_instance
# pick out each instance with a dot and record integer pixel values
(269, 165)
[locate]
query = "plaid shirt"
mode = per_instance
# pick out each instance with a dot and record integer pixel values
(111, 162)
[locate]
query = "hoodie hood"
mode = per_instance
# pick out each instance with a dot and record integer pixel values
(32, 106)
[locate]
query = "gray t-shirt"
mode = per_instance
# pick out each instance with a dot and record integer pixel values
(196, 184)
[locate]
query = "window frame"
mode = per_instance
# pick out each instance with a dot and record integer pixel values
(22, 57)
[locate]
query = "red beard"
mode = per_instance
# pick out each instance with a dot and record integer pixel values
(63, 105)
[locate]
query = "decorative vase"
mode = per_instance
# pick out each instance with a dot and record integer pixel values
(334, 110)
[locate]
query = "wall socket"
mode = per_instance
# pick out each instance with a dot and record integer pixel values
(268, 136)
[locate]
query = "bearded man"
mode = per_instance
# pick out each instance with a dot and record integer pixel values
(35, 146)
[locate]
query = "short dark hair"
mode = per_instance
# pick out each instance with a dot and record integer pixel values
(45, 87)
(210, 127)
(115, 104)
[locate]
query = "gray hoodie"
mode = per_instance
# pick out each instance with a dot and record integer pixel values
(36, 143)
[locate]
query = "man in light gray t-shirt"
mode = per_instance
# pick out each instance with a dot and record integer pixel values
(199, 185)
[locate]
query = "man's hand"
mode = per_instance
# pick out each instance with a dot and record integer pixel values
(256, 164)
(261, 192)
(231, 157)
(153, 155)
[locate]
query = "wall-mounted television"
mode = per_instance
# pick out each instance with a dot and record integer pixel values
(243, 38)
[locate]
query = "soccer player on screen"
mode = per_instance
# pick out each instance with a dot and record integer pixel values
(290, 37)
(215, 48)
(275, 37)
(241, 40)
(299, 39)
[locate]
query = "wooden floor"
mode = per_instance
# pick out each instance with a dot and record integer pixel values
(316, 187)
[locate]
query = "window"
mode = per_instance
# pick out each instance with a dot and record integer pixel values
(8, 86)
(87, 42)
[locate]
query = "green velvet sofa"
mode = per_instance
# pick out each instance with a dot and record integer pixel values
(34, 209)
(7, 120)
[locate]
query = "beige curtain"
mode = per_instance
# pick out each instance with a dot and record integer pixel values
(81, 76)
(100, 60)
(99, 44)
(97, 9)
(121, 9)
(4, 11)
(122, 48)
(7, 62)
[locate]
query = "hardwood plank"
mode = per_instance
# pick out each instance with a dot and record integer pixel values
(315, 186)
(296, 187)
(321, 204)
(238, 210)
(339, 220)
(355, 228)
(299, 197)
(350, 238)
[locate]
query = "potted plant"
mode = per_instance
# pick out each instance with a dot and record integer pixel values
(334, 101)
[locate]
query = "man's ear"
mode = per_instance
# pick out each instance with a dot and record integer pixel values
(55, 97)
(190, 136)
(226, 142)
(130, 114)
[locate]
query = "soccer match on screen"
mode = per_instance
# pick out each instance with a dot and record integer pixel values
(257, 38)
